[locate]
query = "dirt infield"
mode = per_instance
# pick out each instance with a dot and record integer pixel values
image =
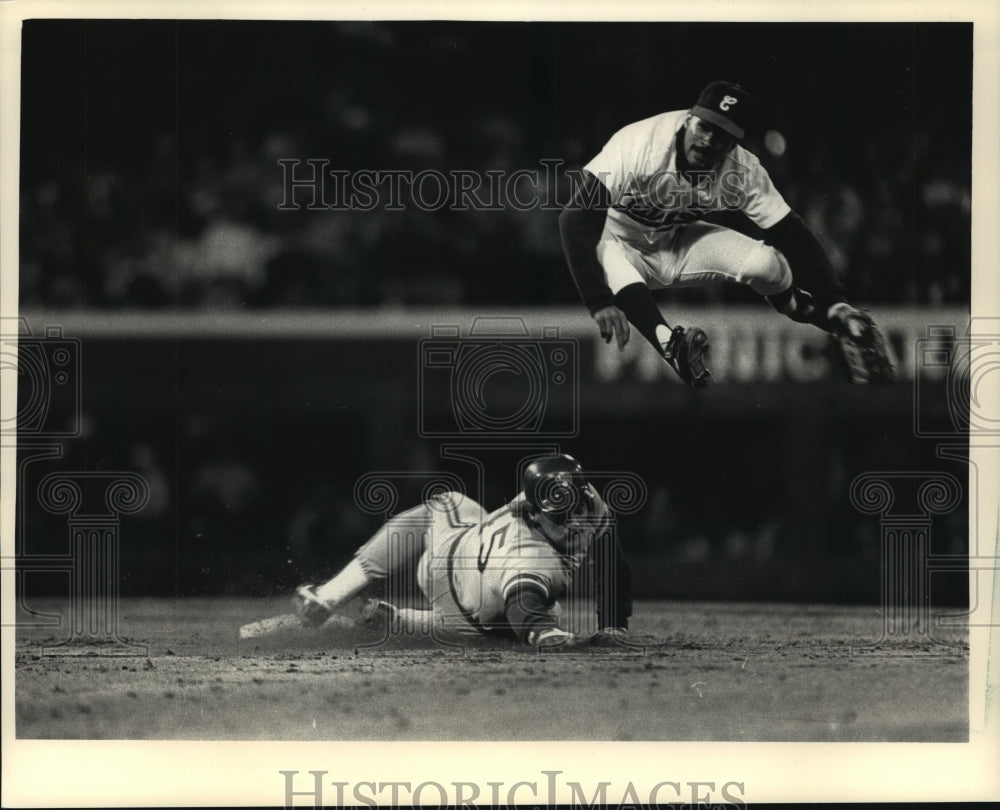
(739, 672)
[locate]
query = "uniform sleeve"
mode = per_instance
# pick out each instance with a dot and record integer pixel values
(531, 586)
(610, 166)
(764, 204)
(581, 222)
(528, 612)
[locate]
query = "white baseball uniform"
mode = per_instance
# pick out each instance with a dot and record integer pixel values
(652, 233)
(469, 564)
(469, 575)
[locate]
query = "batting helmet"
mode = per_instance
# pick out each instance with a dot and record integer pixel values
(556, 486)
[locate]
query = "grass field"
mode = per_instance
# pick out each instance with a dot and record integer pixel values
(706, 671)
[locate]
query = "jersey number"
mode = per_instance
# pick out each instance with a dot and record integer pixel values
(485, 549)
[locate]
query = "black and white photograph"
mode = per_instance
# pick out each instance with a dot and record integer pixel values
(494, 408)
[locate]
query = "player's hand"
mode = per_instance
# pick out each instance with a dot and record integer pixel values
(613, 324)
(551, 638)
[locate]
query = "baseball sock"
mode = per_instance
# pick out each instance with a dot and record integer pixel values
(639, 307)
(345, 585)
(798, 305)
(411, 620)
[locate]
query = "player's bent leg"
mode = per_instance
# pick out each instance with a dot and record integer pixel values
(311, 610)
(415, 622)
(397, 546)
(794, 303)
(394, 549)
(453, 514)
(706, 253)
(623, 265)
(345, 585)
(453, 510)
(629, 271)
(382, 616)
(765, 270)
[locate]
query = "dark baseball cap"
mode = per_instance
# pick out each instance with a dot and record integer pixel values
(726, 105)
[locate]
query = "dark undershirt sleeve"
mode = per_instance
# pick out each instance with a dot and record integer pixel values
(612, 582)
(527, 609)
(811, 268)
(580, 225)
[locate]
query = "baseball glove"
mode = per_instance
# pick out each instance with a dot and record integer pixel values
(863, 350)
(685, 352)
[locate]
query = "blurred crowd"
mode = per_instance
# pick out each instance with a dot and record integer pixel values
(224, 242)
(194, 216)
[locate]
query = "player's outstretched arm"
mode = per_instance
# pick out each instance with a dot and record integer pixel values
(531, 616)
(613, 325)
(580, 226)
(612, 583)
(581, 223)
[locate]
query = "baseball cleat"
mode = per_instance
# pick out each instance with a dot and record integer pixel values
(379, 615)
(551, 638)
(686, 352)
(310, 609)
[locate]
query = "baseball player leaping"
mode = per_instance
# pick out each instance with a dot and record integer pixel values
(636, 222)
(498, 573)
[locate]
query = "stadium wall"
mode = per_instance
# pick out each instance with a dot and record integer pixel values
(252, 430)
